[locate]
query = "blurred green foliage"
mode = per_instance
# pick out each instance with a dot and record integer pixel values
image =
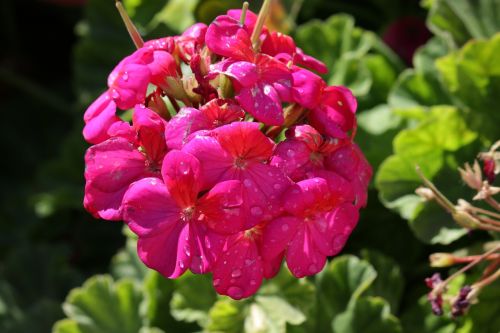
(437, 114)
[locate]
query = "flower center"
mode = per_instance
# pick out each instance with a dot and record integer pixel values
(187, 214)
(240, 163)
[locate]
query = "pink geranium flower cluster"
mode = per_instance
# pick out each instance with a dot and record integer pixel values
(237, 156)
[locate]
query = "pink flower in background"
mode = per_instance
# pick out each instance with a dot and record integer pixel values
(236, 157)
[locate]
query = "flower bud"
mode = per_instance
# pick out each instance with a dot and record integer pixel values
(464, 219)
(441, 259)
(425, 193)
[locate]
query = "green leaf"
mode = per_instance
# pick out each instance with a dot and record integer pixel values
(177, 15)
(343, 280)
(458, 21)
(281, 302)
(389, 283)
(367, 315)
(472, 75)
(192, 299)
(432, 145)
(126, 263)
(102, 306)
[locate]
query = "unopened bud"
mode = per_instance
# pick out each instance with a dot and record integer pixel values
(464, 219)
(441, 259)
(157, 104)
(472, 176)
(425, 193)
(175, 88)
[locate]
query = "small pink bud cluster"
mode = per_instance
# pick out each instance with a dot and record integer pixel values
(257, 165)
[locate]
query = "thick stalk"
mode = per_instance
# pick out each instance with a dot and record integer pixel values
(132, 30)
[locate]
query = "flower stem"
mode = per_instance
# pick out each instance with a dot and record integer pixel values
(263, 14)
(441, 199)
(132, 30)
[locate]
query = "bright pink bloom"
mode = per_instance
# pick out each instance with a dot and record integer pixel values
(239, 271)
(99, 117)
(335, 114)
(191, 41)
(240, 151)
(114, 164)
(318, 226)
(349, 162)
(129, 81)
(303, 150)
(256, 75)
(177, 230)
(283, 48)
(188, 121)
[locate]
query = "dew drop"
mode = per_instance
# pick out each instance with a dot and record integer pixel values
(115, 94)
(284, 227)
(181, 264)
(277, 186)
(247, 182)
(290, 153)
(235, 292)
(248, 262)
(236, 273)
(313, 268)
(216, 282)
(125, 76)
(256, 211)
(253, 282)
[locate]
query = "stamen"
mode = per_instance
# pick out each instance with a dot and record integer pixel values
(263, 14)
(243, 13)
(132, 30)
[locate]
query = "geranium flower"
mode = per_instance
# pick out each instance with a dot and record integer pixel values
(178, 230)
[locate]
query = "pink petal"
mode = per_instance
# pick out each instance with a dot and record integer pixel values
(276, 43)
(250, 18)
(222, 111)
(342, 222)
(244, 72)
(165, 44)
(183, 124)
(181, 174)
(277, 234)
(245, 140)
(238, 271)
(111, 167)
(205, 247)
(272, 71)
(128, 85)
(262, 102)
(221, 207)
(215, 161)
(292, 157)
(162, 66)
(272, 266)
(307, 197)
(196, 31)
(307, 88)
(227, 38)
(167, 252)
(302, 256)
(310, 62)
(150, 129)
(340, 189)
(321, 119)
(306, 134)
(99, 117)
(148, 208)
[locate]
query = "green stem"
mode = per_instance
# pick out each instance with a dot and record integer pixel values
(263, 14)
(132, 30)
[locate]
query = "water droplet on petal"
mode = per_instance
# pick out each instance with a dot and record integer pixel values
(125, 76)
(236, 273)
(248, 262)
(216, 282)
(284, 227)
(253, 282)
(115, 94)
(256, 211)
(181, 264)
(313, 268)
(290, 153)
(247, 182)
(277, 186)
(235, 292)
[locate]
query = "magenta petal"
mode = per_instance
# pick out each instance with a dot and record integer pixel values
(292, 157)
(222, 111)
(250, 18)
(167, 252)
(262, 102)
(244, 72)
(215, 161)
(227, 38)
(182, 125)
(150, 129)
(205, 247)
(342, 222)
(272, 266)
(321, 119)
(310, 62)
(196, 31)
(340, 189)
(277, 234)
(162, 66)
(111, 167)
(148, 208)
(181, 174)
(221, 207)
(128, 86)
(99, 117)
(273, 71)
(307, 88)
(302, 257)
(307, 196)
(276, 43)
(238, 271)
